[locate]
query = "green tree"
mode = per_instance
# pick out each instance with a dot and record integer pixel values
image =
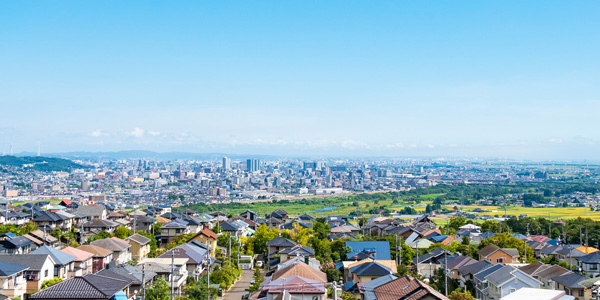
(159, 290)
(261, 237)
(122, 232)
(50, 282)
(460, 295)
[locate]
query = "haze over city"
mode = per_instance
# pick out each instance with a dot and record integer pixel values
(336, 78)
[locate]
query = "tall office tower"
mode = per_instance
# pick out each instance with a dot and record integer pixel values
(253, 165)
(226, 163)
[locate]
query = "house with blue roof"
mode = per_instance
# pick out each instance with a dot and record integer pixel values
(12, 281)
(63, 262)
(379, 250)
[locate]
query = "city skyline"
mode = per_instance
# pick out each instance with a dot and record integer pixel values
(514, 80)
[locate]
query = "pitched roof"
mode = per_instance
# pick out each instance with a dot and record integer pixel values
(551, 271)
(501, 275)
(111, 244)
(371, 269)
(295, 285)
(59, 257)
(298, 250)
(7, 269)
(483, 273)
(571, 280)
(487, 250)
(406, 287)
(592, 258)
(459, 261)
(35, 262)
(133, 273)
(381, 249)
(97, 251)
(80, 254)
(474, 268)
(302, 270)
(368, 287)
(281, 242)
(90, 286)
(140, 239)
(91, 210)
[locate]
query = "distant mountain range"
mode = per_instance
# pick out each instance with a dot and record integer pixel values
(40, 163)
(150, 155)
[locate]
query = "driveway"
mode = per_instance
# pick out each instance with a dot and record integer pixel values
(240, 288)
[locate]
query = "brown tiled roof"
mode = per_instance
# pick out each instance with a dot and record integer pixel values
(97, 251)
(406, 288)
(487, 250)
(302, 270)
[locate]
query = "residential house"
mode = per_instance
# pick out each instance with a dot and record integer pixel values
(100, 225)
(497, 255)
(93, 211)
(507, 280)
(365, 273)
(171, 230)
(480, 282)
(119, 247)
(347, 265)
(135, 274)
(196, 256)
(405, 288)
(83, 261)
(569, 254)
(570, 283)
(90, 286)
(456, 263)
(163, 267)
(297, 250)
(12, 244)
(63, 263)
(302, 270)
(367, 288)
(140, 247)
(40, 238)
(430, 262)
(277, 244)
(12, 280)
(296, 287)
(40, 268)
(101, 257)
(250, 215)
(466, 272)
(590, 263)
(207, 237)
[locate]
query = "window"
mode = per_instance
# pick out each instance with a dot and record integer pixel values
(55, 271)
(513, 290)
(593, 266)
(499, 260)
(580, 293)
(46, 273)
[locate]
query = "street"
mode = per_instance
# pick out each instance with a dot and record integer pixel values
(240, 288)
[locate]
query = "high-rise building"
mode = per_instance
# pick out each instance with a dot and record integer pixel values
(226, 163)
(253, 165)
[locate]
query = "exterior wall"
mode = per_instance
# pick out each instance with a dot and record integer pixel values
(208, 241)
(139, 252)
(122, 256)
(13, 286)
(500, 257)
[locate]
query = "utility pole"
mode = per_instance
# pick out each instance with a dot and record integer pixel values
(143, 281)
(229, 252)
(238, 250)
(173, 273)
(580, 236)
(446, 272)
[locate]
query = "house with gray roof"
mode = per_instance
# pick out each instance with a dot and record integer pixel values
(93, 211)
(119, 247)
(41, 268)
(571, 284)
(367, 288)
(90, 286)
(509, 279)
(132, 273)
(590, 263)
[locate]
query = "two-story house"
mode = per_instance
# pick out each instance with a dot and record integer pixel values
(83, 261)
(207, 237)
(12, 280)
(63, 263)
(590, 263)
(507, 280)
(140, 247)
(101, 257)
(119, 247)
(497, 255)
(40, 268)
(172, 230)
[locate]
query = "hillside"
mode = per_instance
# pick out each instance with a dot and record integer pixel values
(39, 163)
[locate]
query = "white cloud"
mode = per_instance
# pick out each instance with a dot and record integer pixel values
(154, 133)
(137, 132)
(98, 133)
(555, 140)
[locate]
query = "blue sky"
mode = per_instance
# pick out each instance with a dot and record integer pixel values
(396, 78)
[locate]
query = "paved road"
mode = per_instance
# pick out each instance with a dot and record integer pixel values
(240, 288)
